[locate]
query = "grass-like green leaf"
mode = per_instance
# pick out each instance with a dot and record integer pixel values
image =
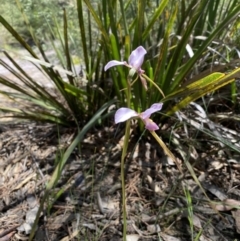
(187, 67)
(154, 18)
(62, 162)
(200, 88)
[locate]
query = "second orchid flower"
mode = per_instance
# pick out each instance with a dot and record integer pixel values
(124, 114)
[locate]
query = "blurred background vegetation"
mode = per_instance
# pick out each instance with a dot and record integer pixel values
(40, 14)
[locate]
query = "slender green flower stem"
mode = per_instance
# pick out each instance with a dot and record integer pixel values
(125, 147)
(124, 154)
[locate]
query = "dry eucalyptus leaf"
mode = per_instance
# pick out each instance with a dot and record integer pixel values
(91, 226)
(106, 206)
(7, 237)
(30, 217)
(236, 216)
(32, 201)
(215, 191)
(236, 166)
(58, 221)
(153, 228)
(227, 204)
(169, 238)
(196, 221)
(132, 237)
(216, 165)
(203, 238)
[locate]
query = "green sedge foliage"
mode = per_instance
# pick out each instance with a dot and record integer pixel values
(62, 162)
(183, 41)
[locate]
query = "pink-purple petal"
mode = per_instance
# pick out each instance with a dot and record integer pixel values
(124, 114)
(154, 108)
(150, 125)
(144, 82)
(136, 58)
(113, 63)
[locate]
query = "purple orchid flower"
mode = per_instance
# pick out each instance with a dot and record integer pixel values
(135, 61)
(124, 114)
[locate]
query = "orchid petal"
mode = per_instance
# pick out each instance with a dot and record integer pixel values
(150, 125)
(124, 114)
(154, 108)
(136, 58)
(113, 63)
